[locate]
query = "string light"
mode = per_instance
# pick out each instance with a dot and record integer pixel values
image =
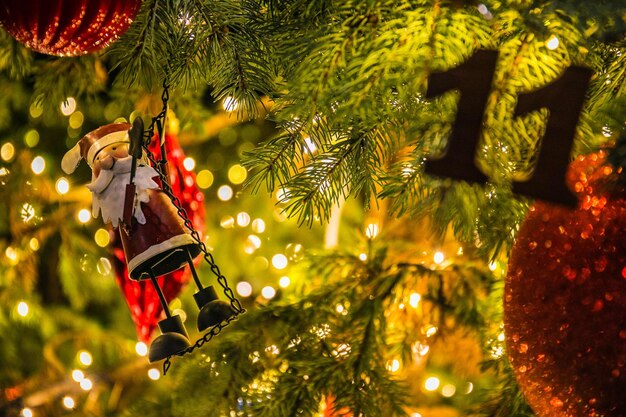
(470, 388)
(62, 186)
(83, 215)
(204, 179)
(284, 282)
(414, 299)
(78, 375)
(416, 415)
(552, 43)
(11, 254)
(279, 261)
(432, 383)
(26, 412)
(493, 266)
(28, 212)
(309, 145)
(393, 366)
(189, 163)
(371, 231)
(35, 110)
(38, 165)
(141, 348)
(363, 257)
(237, 174)
(76, 120)
(68, 106)
(68, 402)
(102, 237)
(225, 193)
(34, 244)
(255, 241)
(244, 289)
(258, 225)
(22, 308)
(154, 374)
(268, 292)
(227, 222)
(243, 219)
(230, 104)
(85, 358)
(31, 138)
(430, 331)
(282, 195)
(438, 258)
(86, 384)
(7, 151)
(448, 390)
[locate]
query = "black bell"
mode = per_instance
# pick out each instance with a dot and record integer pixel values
(172, 341)
(212, 310)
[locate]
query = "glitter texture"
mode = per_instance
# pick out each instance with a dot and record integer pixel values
(67, 27)
(565, 299)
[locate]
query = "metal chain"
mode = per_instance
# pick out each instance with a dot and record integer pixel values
(159, 122)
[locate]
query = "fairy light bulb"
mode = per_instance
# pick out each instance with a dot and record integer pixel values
(414, 299)
(78, 375)
(7, 151)
(26, 412)
(268, 292)
(86, 384)
(154, 374)
(22, 308)
(448, 390)
(438, 258)
(68, 402)
(237, 174)
(85, 358)
(243, 219)
(68, 106)
(62, 186)
(284, 282)
(371, 231)
(204, 179)
(230, 104)
(38, 165)
(279, 261)
(83, 215)
(552, 43)
(189, 163)
(258, 225)
(225, 193)
(244, 289)
(432, 383)
(102, 237)
(141, 348)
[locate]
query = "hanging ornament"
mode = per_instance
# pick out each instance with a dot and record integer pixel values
(157, 236)
(141, 297)
(565, 299)
(67, 27)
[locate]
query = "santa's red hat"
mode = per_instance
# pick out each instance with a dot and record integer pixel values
(92, 143)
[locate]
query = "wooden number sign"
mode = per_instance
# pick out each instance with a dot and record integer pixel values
(563, 98)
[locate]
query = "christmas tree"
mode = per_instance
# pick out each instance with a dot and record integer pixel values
(359, 173)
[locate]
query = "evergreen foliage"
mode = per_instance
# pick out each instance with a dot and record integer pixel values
(349, 122)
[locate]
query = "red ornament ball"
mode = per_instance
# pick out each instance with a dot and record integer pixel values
(67, 27)
(565, 299)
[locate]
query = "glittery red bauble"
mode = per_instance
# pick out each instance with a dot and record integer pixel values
(142, 299)
(67, 27)
(565, 299)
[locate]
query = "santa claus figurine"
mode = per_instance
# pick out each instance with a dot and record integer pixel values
(154, 237)
(156, 241)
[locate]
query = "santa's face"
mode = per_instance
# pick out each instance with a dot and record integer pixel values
(106, 157)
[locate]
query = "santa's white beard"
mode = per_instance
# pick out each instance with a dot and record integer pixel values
(109, 191)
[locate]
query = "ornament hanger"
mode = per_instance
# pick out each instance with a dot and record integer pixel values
(158, 124)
